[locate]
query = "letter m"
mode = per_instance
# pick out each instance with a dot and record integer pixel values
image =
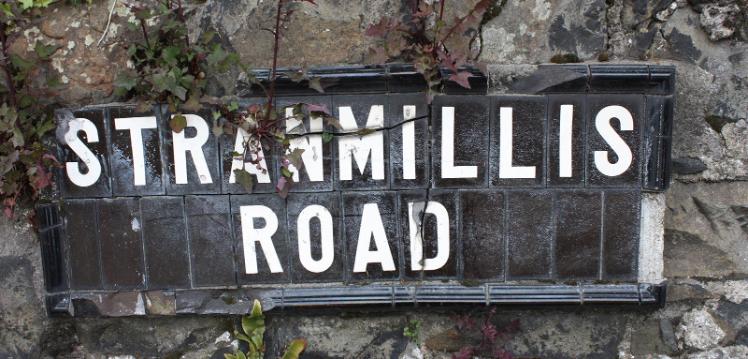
(359, 148)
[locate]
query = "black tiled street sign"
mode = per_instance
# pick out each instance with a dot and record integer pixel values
(472, 198)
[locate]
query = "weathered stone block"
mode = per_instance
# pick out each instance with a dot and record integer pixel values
(529, 234)
(82, 235)
(123, 133)
(524, 119)
(165, 237)
(578, 221)
(428, 227)
(261, 213)
(409, 141)
(620, 234)
(317, 152)
(482, 234)
(355, 113)
(199, 174)
(373, 213)
(576, 139)
(314, 227)
(634, 105)
(211, 240)
(463, 119)
(120, 227)
(101, 187)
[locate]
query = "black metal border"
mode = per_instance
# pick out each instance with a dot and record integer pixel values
(580, 78)
(655, 81)
(239, 301)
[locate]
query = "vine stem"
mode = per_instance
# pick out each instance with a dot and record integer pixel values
(6, 66)
(455, 26)
(276, 35)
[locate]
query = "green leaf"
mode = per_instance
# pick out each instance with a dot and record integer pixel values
(240, 355)
(233, 106)
(295, 348)
(286, 173)
(180, 92)
(20, 63)
(256, 309)
(229, 356)
(17, 139)
(178, 123)
(26, 4)
(245, 179)
(124, 83)
(295, 158)
(216, 56)
(170, 55)
(44, 52)
(327, 137)
(7, 10)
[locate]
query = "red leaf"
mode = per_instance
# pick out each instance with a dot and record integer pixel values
(461, 78)
(464, 353)
(42, 178)
(317, 108)
(282, 187)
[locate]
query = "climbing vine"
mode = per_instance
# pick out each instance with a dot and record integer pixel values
(25, 163)
(423, 36)
(168, 68)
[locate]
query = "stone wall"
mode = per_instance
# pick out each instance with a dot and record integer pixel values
(706, 220)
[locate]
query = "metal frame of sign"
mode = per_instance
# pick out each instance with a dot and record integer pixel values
(548, 79)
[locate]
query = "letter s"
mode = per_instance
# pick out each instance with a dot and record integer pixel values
(84, 153)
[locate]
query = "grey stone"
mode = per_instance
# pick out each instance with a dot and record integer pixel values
(731, 352)
(719, 20)
(533, 31)
(699, 330)
(20, 318)
(688, 165)
(668, 334)
(704, 235)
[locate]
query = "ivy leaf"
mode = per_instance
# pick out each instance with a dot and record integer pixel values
(295, 348)
(17, 139)
(314, 83)
(461, 78)
(178, 123)
(170, 55)
(216, 56)
(44, 52)
(295, 158)
(7, 10)
(332, 121)
(180, 92)
(286, 172)
(192, 104)
(26, 4)
(245, 179)
(327, 137)
(124, 83)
